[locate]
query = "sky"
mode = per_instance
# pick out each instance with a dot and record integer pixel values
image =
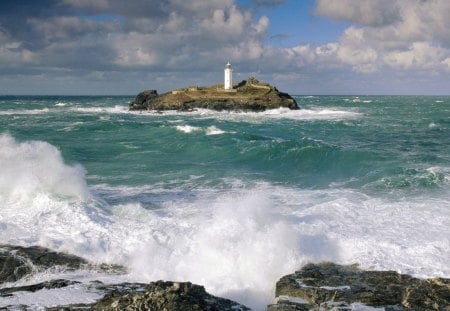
(116, 47)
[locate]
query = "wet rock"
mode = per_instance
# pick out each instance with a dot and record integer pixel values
(334, 287)
(12, 268)
(157, 296)
(8, 291)
(167, 296)
(18, 261)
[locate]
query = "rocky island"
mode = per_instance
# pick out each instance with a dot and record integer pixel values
(248, 95)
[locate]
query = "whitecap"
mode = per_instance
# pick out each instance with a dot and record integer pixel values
(24, 111)
(117, 109)
(212, 130)
(236, 240)
(187, 128)
(433, 125)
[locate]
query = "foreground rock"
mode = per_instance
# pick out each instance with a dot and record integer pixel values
(316, 287)
(334, 287)
(249, 95)
(16, 261)
(166, 296)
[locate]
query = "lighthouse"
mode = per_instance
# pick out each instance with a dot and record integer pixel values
(228, 83)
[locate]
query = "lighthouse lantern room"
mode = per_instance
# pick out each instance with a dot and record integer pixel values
(228, 83)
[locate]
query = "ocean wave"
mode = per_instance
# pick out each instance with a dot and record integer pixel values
(210, 130)
(117, 109)
(236, 240)
(312, 113)
(413, 178)
(24, 111)
(187, 128)
(63, 107)
(213, 130)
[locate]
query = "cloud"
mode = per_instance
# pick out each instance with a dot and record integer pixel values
(138, 35)
(174, 40)
(420, 55)
(403, 35)
(364, 12)
(393, 20)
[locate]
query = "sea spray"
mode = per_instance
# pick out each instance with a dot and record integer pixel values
(44, 201)
(237, 245)
(36, 167)
(347, 181)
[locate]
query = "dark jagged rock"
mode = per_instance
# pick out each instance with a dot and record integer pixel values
(325, 286)
(143, 99)
(248, 95)
(334, 287)
(157, 296)
(17, 261)
(167, 296)
(8, 291)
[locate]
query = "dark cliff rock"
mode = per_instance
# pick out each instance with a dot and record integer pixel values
(248, 95)
(162, 295)
(325, 286)
(329, 286)
(143, 99)
(16, 261)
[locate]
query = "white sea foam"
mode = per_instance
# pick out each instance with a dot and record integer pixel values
(311, 113)
(213, 130)
(40, 299)
(210, 130)
(117, 109)
(24, 111)
(187, 128)
(237, 241)
(37, 168)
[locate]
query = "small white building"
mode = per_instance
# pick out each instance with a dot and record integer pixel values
(228, 82)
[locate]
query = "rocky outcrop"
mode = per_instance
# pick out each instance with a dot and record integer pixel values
(16, 261)
(248, 95)
(143, 99)
(156, 296)
(167, 296)
(316, 287)
(329, 286)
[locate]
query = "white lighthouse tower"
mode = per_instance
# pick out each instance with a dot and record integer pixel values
(228, 72)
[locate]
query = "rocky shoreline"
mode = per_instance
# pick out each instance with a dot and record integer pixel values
(325, 286)
(248, 95)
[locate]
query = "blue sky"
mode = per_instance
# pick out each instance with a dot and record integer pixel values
(294, 22)
(301, 46)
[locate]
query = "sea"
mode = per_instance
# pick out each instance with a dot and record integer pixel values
(229, 200)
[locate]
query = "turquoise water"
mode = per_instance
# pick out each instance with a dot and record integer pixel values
(230, 200)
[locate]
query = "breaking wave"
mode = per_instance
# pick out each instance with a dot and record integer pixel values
(237, 241)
